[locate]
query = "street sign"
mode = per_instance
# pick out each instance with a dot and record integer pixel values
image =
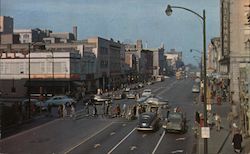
(205, 132)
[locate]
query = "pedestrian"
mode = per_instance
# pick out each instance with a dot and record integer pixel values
(59, 111)
(49, 110)
(217, 119)
(236, 142)
(124, 109)
(72, 112)
(201, 120)
(64, 111)
(118, 110)
(197, 117)
(94, 111)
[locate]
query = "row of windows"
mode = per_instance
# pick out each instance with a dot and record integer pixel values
(35, 67)
(104, 51)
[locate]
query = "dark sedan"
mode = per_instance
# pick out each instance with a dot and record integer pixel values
(175, 122)
(148, 121)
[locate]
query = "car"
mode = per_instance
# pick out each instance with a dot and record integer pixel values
(140, 85)
(36, 104)
(148, 121)
(100, 99)
(60, 100)
(175, 122)
(118, 95)
(195, 89)
(149, 83)
(131, 95)
(127, 89)
(147, 92)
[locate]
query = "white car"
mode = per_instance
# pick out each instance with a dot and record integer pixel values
(195, 89)
(60, 100)
(131, 95)
(147, 92)
(100, 99)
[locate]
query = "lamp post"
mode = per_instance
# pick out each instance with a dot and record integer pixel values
(168, 12)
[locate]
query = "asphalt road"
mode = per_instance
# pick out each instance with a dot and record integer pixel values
(100, 135)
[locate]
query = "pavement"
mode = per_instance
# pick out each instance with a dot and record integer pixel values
(220, 142)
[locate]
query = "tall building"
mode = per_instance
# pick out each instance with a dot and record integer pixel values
(235, 36)
(6, 25)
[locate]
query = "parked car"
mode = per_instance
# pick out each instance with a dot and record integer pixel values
(131, 95)
(140, 85)
(148, 121)
(146, 92)
(100, 99)
(60, 100)
(175, 122)
(196, 88)
(35, 104)
(118, 95)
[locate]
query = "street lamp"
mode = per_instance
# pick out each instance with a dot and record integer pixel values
(168, 12)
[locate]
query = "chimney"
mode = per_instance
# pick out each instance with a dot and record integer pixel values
(75, 32)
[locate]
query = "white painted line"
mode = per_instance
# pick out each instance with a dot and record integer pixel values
(177, 151)
(157, 145)
(32, 129)
(88, 138)
(97, 145)
(121, 141)
(133, 148)
(181, 138)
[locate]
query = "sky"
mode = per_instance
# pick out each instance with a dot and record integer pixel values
(123, 20)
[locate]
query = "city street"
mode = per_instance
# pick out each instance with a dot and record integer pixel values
(110, 135)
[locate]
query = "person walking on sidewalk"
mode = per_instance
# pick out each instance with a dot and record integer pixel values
(217, 119)
(237, 140)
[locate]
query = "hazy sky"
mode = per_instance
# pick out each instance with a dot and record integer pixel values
(124, 20)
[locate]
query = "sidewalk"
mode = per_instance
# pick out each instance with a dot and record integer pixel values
(220, 142)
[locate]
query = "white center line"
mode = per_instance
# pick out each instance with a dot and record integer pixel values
(88, 138)
(121, 141)
(157, 145)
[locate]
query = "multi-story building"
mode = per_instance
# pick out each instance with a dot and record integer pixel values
(30, 35)
(158, 61)
(173, 57)
(6, 31)
(43, 71)
(6, 25)
(214, 56)
(235, 38)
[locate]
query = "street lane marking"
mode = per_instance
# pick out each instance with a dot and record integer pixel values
(181, 138)
(144, 135)
(97, 145)
(157, 145)
(112, 133)
(89, 138)
(133, 148)
(121, 141)
(30, 130)
(178, 151)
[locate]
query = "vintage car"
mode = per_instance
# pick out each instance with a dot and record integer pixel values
(175, 122)
(195, 88)
(60, 100)
(131, 95)
(100, 99)
(148, 121)
(35, 104)
(147, 92)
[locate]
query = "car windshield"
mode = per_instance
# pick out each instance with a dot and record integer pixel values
(174, 117)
